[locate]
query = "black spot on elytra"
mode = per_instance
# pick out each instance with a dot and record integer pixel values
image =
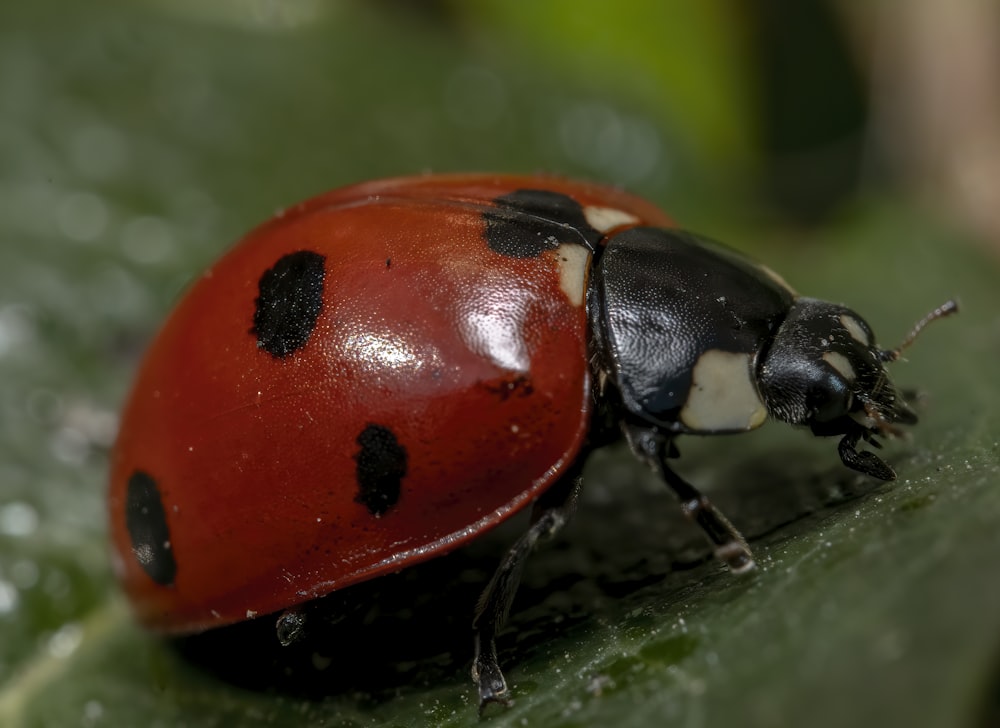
(290, 300)
(381, 467)
(146, 522)
(526, 223)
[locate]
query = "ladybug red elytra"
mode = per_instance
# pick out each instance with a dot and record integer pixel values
(381, 373)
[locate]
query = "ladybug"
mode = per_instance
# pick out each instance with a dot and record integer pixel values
(384, 372)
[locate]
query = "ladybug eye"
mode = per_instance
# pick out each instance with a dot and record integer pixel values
(830, 398)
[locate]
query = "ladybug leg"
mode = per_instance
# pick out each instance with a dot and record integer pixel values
(550, 513)
(654, 448)
(862, 460)
(730, 546)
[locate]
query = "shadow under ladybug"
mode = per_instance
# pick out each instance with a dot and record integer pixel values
(410, 631)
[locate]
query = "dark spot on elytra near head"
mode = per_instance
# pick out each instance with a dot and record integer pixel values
(289, 303)
(526, 223)
(381, 467)
(146, 522)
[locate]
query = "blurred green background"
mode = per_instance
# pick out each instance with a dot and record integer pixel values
(853, 146)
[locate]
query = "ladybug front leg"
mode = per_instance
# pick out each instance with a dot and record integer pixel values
(654, 448)
(550, 513)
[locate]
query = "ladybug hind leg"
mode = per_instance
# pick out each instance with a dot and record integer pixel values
(654, 448)
(550, 513)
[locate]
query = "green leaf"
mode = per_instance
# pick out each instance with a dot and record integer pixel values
(139, 140)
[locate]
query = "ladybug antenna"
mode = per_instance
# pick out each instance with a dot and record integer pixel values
(945, 309)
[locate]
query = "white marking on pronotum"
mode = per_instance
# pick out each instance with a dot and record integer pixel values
(603, 219)
(855, 329)
(574, 260)
(841, 363)
(723, 396)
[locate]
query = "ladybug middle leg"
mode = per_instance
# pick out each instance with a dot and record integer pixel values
(550, 513)
(655, 448)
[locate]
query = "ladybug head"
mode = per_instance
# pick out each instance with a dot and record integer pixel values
(825, 371)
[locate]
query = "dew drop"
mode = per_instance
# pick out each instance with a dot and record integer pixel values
(18, 519)
(65, 640)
